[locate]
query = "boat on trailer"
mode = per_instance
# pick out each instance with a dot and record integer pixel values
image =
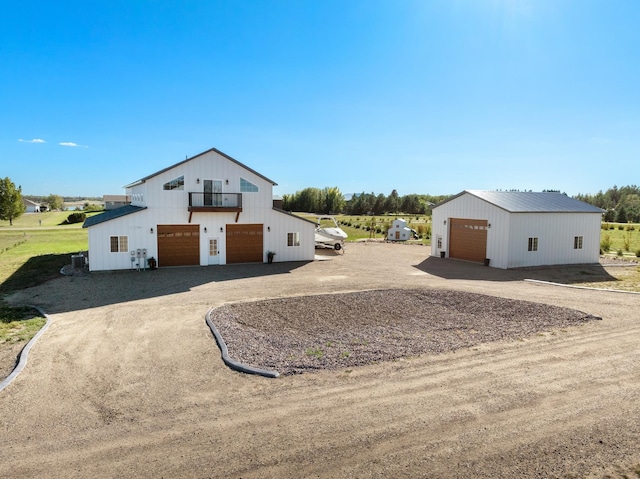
(329, 234)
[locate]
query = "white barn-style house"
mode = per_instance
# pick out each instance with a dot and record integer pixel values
(512, 229)
(206, 210)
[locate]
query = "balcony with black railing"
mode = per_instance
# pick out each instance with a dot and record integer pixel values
(215, 202)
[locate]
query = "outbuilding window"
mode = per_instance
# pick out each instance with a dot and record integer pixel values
(577, 242)
(533, 244)
(119, 244)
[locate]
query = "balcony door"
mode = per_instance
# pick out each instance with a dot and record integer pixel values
(212, 192)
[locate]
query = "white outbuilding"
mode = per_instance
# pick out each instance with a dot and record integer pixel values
(399, 231)
(512, 229)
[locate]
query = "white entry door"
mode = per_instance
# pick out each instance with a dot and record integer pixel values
(214, 251)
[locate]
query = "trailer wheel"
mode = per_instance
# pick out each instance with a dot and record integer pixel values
(337, 246)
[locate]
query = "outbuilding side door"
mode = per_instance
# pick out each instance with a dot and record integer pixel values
(468, 239)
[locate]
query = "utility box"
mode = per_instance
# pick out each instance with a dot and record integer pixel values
(77, 261)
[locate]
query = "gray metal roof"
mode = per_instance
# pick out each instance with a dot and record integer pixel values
(112, 214)
(532, 202)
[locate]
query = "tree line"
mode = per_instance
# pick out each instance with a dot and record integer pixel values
(331, 201)
(621, 205)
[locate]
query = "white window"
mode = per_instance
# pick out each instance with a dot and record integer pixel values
(247, 186)
(119, 244)
(577, 242)
(175, 184)
(293, 239)
(533, 244)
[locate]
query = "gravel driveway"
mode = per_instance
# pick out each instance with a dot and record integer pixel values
(128, 381)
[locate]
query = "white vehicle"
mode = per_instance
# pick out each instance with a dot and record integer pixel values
(329, 234)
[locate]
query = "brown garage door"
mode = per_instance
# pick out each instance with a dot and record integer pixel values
(244, 244)
(468, 239)
(178, 245)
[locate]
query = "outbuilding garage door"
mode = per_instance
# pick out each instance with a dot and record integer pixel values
(468, 239)
(244, 244)
(178, 245)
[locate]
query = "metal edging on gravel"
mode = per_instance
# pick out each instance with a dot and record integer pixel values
(581, 287)
(22, 361)
(235, 365)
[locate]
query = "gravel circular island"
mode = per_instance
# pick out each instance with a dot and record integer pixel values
(301, 334)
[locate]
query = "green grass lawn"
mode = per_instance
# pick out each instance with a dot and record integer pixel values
(19, 324)
(623, 238)
(32, 251)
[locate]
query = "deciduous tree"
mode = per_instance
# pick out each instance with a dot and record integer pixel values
(11, 205)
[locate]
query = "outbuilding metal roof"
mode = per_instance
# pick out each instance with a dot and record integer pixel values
(532, 202)
(112, 214)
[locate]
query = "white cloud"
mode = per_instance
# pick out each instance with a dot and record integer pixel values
(35, 140)
(72, 144)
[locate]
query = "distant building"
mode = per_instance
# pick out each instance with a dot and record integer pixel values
(399, 231)
(111, 202)
(32, 206)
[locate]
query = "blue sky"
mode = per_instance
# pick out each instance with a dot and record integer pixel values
(425, 96)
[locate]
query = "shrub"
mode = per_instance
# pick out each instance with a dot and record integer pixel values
(620, 227)
(619, 252)
(638, 253)
(76, 218)
(92, 207)
(605, 244)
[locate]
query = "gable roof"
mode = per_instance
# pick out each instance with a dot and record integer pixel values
(112, 214)
(530, 201)
(143, 180)
(28, 202)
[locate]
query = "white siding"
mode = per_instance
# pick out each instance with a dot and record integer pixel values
(555, 233)
(132, 226)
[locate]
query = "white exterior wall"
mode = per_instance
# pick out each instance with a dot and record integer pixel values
(470, 207)
(509, 233)
(135, 227)
(555, 233)
(166, 207)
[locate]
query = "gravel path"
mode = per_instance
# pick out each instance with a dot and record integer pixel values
(301, 334)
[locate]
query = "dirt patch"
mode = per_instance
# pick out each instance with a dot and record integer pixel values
(300, 334)
(9, 357)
